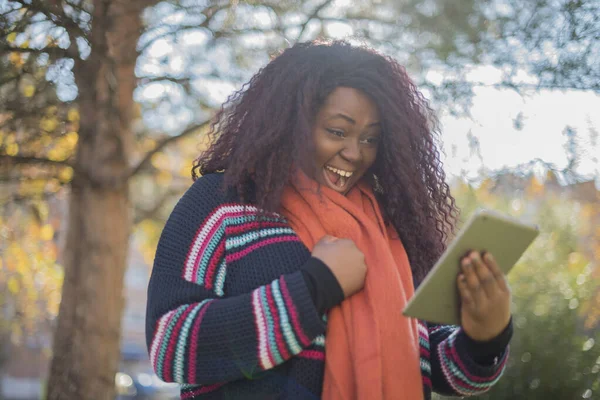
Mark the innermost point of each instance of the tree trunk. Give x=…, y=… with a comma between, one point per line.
x=86, y=341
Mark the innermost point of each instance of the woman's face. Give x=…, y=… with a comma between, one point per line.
x=346, y=135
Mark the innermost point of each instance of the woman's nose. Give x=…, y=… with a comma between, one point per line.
x=351, y=151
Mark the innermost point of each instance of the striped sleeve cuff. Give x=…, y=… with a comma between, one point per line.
x=169, y=346
x=463, y=374
x=285, y=318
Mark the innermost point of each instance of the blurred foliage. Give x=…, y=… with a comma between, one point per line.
x=38, y=133
x=30, y=277
x=555, y=351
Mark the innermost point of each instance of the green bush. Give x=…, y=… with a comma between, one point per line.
x=552, y=355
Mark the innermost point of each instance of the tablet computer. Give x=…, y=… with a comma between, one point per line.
x=436, y=299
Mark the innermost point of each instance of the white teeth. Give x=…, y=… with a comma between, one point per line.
x=340, y=172
x=342, y=181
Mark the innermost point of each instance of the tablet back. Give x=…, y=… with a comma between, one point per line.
x=436, y=300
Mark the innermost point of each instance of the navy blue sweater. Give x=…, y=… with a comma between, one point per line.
x=236, y=310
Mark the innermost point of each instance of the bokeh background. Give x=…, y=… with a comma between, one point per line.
x=105, y=103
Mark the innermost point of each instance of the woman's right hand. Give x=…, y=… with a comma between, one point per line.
x=345, y=260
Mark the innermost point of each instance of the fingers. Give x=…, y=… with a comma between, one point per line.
x=495, y=270
x=485, y=276
x=485, y=296
x=463, y=290
x=471, y=280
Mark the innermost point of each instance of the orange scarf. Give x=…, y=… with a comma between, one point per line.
x=372, y=351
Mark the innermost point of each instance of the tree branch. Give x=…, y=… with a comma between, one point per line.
x=314, y=14
x=145, y=80
x=171, y=139
x=56, y=52
x=528, y=86
x=19, y=198
x=209, y=13
x=56, y=15
x=6, y=159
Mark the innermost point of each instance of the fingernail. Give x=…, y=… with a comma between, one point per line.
x=466, y=262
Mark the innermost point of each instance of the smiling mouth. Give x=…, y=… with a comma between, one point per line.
x=337, y=179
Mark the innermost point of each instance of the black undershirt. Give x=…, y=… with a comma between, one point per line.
x=323, y=286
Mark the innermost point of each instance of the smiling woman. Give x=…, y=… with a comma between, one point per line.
x=320, y=206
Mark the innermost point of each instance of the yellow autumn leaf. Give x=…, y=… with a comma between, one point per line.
x=12, y=149
x=58, y=153
x=73, y=115
x=13, y=285
x=71, y=139
x=29, y=91
x=51, y=111
x=48, y=124
x=11, y=37
x=66, y=174
x=43, y=210
x=16, y=59
x=47, y=232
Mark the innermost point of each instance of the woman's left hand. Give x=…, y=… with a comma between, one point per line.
x=485, y=297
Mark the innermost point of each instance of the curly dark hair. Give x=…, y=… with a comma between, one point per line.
x=264, y=129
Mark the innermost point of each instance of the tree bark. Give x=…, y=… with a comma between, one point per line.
x=86, y=341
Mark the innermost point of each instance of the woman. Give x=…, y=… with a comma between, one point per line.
x=322, y=204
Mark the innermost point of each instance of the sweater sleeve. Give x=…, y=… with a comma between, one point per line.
x=460, y=366
x=198, y=335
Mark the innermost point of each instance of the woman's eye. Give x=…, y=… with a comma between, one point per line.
x=371, y=140
x=336, y=132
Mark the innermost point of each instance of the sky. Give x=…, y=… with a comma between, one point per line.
x=544, y=114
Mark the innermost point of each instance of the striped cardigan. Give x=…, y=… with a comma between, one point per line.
x=229, y=315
